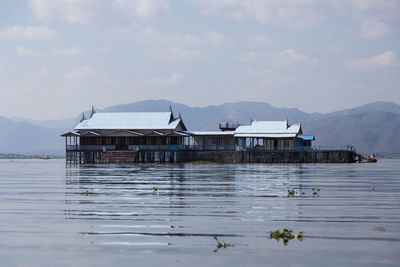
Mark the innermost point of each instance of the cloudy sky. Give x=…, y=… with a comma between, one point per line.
x=59, y=57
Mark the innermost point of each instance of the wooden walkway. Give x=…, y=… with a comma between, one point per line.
x=310, y=156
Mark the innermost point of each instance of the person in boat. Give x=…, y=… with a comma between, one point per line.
x=372, y=157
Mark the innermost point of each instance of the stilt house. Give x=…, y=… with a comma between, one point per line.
x=126, y=131
x=163, y=134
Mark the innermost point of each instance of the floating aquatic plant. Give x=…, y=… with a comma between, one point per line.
x=285, y=235
x=222, y=244
x=143, y=168
x=315, y=192
x=291, y=193
x=380, y=227
x=156, y=189
x=86, y=193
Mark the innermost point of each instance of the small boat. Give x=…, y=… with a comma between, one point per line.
x=46, y=157
x=370, y=159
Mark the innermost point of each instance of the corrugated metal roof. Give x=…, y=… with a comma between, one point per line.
x=212, y=133
x=266, y=135
x=181, y=133
x=129, y=120
x=71, y=134
x=268, y=127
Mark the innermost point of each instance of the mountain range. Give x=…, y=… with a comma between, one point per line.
x=369, y=128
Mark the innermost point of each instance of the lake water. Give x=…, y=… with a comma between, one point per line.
x=110, y=215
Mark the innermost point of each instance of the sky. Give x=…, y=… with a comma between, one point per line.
x=60, y=57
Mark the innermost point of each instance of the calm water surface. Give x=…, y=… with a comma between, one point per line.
x=107, y=215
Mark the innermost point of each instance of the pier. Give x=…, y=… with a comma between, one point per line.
x=315, y=155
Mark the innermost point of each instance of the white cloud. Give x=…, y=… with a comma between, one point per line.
x=104, y=50
x=298, y=13
x=175, y=46
x=26, y=52
x=173, y=79
x=71, y=11
x=267, y=78
x=143, y=8
x=383, y=9
x=260, y=72
x=150, y=36
x=67, y=51
x=43, y=71
x=29, y=32
x=176, y=54
x=89, y=11
x=82, y=72
x=214, y=38
x=377, y=4
x=288, y=57
x=373, y=29
x=383, y=60
x=258, y=41
x=336, y=49
x=360, y=87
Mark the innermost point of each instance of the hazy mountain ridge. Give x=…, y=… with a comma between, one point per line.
x=26, y=138
x=62, y=123
x=367, y=132
x=208, y=118
x=378, y=106
x=374, y=127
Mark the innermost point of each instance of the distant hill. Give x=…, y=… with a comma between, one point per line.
x=63, y=123
x=374, y=127
x=26, y=138
x=368, y=132
x=208, y=118
x=371, y=107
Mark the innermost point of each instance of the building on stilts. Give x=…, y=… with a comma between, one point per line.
x=133, y=137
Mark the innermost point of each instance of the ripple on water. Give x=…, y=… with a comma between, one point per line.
x=100, y=212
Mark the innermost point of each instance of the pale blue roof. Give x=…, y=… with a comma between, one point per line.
x=266, y=135
x=307, y=137
x=130, y=120
x=274, y=129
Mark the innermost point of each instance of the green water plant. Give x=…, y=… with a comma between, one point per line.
x=315, y=192
x=143, y=168
x=86, y=193
x=291, y=193
x=155, y=189
x=222, y=244
x=285, y=235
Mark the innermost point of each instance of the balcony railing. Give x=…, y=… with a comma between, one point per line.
x=211, y=147
x=90, y=148
x=182, y=147
x=152, y=147
x=203, y=148
x=326, y=148
x=156, y=147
